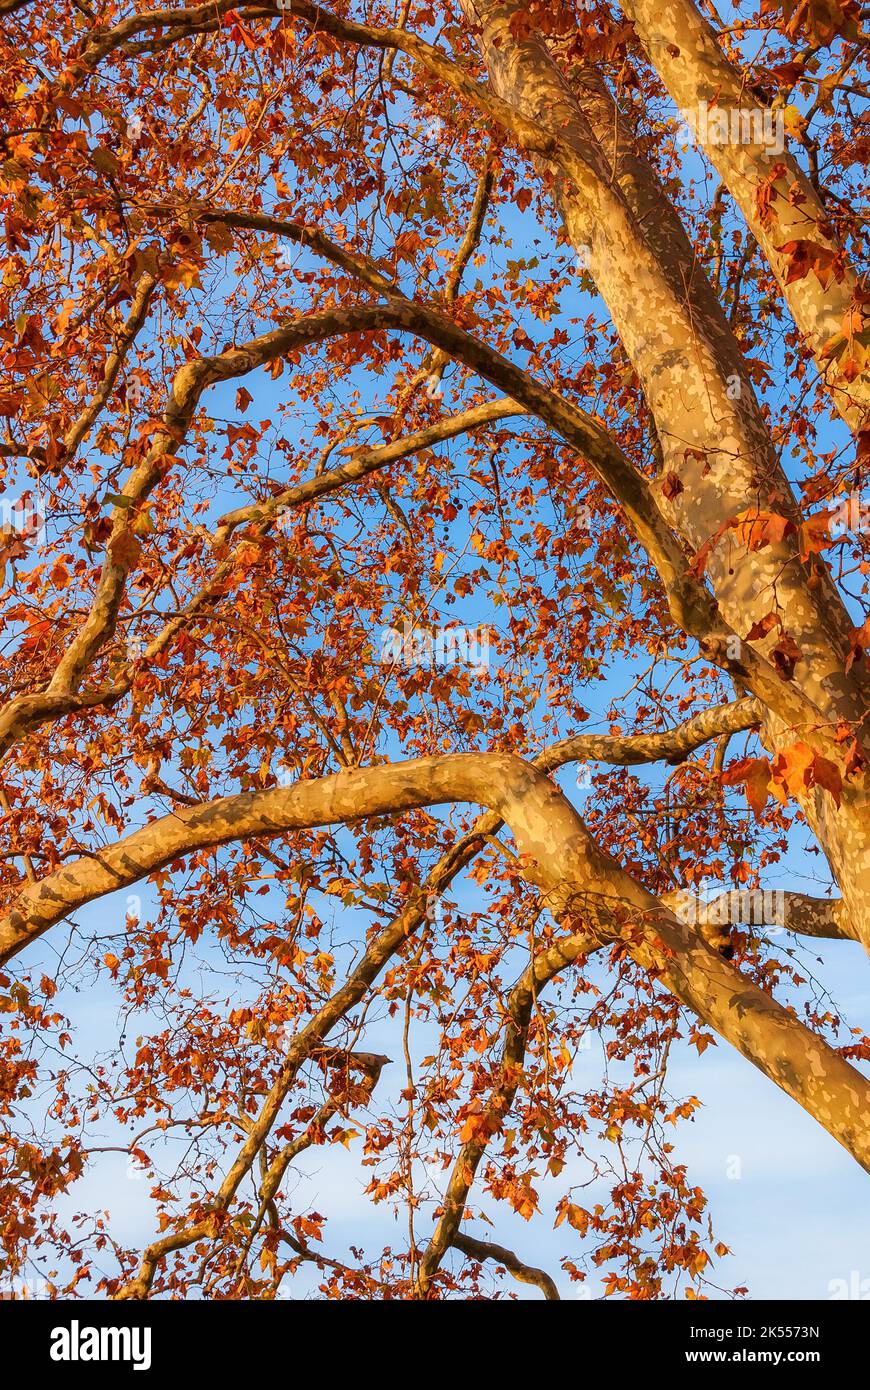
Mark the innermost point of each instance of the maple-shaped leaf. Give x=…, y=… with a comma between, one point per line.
x=814, y=535
x=800, y=767
x=764, y=625
x=124, y=549
x=860, y=644
x=819, y=22
x=576, y=1216
x=788, y=73
x=791, y=771
x=785, y=656
x=803, y=256
x=754, y=775
x=757, y=529
x=219, y=236
x=826, y=774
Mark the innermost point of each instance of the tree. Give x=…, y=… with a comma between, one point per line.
x=385, y=389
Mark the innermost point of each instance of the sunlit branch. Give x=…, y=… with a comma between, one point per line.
x=688, y=57
x=115, y=361
x=482, y=1250
x=368, y=461
x=784, y=910
x=50, y=899
x=578, y=881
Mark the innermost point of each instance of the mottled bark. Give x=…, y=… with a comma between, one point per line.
x=676, y=349
x=713, y=439
x=689, y=59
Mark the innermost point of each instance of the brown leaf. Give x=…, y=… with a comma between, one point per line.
x=672, y=485
x=763, y=627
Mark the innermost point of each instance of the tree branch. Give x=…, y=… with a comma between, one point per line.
x=578, y=881
x=687, y=56
x=481, y=1250
x=509, y=1072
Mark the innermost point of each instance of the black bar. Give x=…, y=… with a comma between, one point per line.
x=353, y=1339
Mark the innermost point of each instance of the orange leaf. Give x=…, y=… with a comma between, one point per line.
x=754, y=774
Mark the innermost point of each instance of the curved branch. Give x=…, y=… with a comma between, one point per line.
x=671, y=745
x=50, y=899
x=579, y=882
x=580, y=163
x=369, y=461
x=481, y=1250
x=691, y=605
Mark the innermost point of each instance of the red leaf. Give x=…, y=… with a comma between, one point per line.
x=763, y=627
x=804, y=256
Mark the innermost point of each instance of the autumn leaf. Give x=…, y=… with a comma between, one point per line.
x=754, y=774
x=218, y=236
x=125, y=548
x=763, y=626
x=799, y=767
x=803, y=256
x=785, y=655
x=826, y=774
x=757, y=529
x=818, y=22
x=814, y=535
x=225, y=749
x=672, y=485
x=859, y=644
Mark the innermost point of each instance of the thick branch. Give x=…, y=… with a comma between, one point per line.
x=683, y=47
x=826, y=918
x=558, y=855
x=672, y=745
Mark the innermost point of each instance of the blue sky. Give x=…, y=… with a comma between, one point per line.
x=787, y=1199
